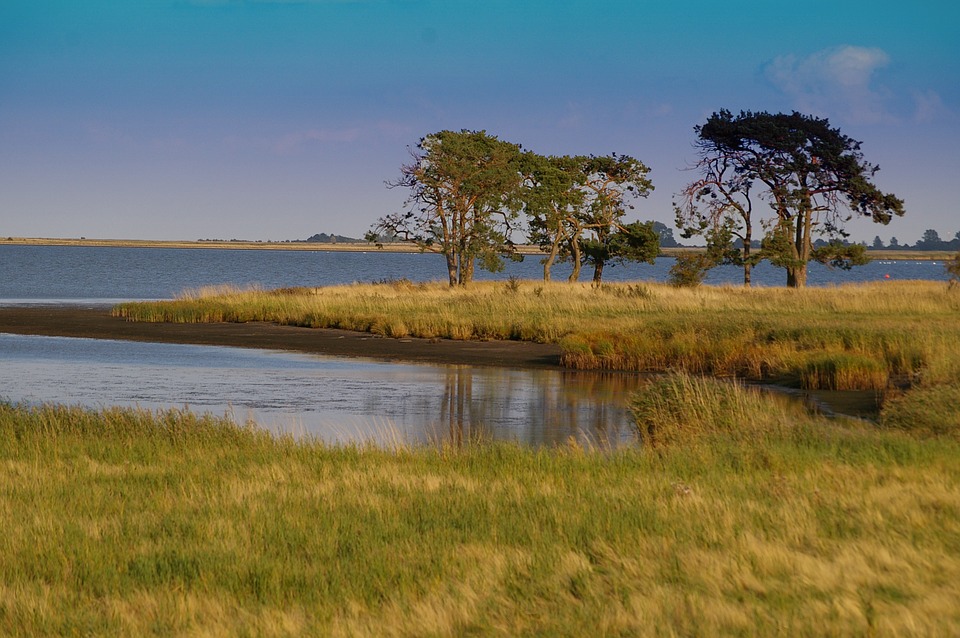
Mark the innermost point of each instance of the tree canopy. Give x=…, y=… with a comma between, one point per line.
x=813, y=177
x=463, y=202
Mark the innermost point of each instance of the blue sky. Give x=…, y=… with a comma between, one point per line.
x=276, y=119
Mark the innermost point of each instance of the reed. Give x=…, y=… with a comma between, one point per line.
x=127, y=522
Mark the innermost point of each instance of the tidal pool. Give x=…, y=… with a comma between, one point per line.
x=332, y=398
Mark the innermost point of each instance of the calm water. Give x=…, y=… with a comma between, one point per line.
x=55, y=273
x=335, y=399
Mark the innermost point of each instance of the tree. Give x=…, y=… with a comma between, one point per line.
x=878, y=243
x=690, y=269
x=930, y=241
x=463, y=202
x=553, y=199
x=952, y=268
x=631, y=242
x=611, y=184
x=718, y=204
x=667, y=240
x=575, y=206
x=813, y=177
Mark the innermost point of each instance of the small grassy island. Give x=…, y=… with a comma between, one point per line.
x=738, y=512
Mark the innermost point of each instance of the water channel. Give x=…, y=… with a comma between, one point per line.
x=335, y=399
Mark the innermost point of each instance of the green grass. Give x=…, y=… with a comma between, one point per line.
x=757, y=520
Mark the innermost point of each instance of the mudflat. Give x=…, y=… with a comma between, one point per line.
x=97, y=323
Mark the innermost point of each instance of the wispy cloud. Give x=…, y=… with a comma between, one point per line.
x=928, y=106
x=837, y=81
x=292, y=141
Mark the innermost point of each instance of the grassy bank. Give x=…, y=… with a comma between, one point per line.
x=122, y=522
x=851, y=337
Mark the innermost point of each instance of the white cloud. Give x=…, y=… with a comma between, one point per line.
x=837, y=81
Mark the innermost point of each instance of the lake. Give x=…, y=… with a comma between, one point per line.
x=83, y=274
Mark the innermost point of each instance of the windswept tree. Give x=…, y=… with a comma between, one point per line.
x=611, y=184
x=553, y=200
x=718, y=205
x=463, y=203
x=576, y=205
x=813, y=177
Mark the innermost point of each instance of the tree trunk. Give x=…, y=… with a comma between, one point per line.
x=598, y=272
x=747, y=266
x=466, y=271
x=575, y=256
x=797, y=276
x=549, y=259
x=451, y=268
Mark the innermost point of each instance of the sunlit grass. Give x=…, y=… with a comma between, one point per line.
x=762, y=521
x=861, y=336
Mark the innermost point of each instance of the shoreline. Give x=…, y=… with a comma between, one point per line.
x=97, y=323
x=398, y=247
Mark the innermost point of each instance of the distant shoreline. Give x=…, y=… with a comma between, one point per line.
x=397, y=247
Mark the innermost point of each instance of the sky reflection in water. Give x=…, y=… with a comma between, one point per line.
x=335, y=399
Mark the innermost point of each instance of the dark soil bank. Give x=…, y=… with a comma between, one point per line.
x=96, y=323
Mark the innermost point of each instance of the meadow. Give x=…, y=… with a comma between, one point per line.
x=740, y=514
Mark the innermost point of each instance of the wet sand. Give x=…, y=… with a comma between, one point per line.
x=96, y=323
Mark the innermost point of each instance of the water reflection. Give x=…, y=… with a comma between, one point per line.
x=335, y=399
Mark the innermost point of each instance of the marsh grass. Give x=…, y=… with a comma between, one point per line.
x=928, y=411
x=127, y=522
x=849, y=337
x=696, y=412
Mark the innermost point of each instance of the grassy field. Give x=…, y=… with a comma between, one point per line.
x=740, y=515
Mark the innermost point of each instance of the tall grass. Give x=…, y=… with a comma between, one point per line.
x=125, y=522
x=850, y=337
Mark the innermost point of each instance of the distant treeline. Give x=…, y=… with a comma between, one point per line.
x=930, y=241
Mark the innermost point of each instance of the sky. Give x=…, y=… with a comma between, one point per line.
x=278, y=119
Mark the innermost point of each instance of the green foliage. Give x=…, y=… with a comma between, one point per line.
x=463, y=203
x=631, y=242
x=840, y=255
x=690, y=269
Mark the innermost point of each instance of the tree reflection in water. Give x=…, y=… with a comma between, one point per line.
x=535, y=407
